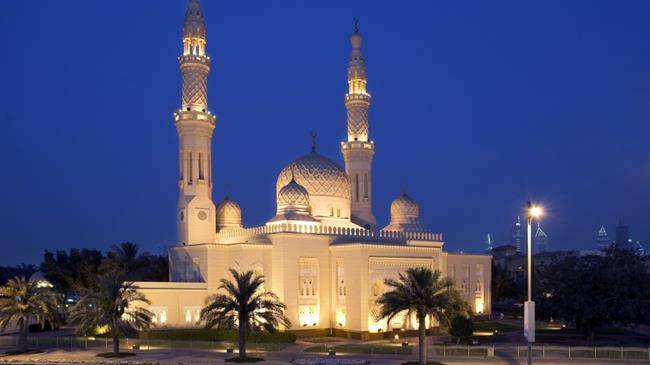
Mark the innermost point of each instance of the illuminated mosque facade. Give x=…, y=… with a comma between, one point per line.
x=322, y=252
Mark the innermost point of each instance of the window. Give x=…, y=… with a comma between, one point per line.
x=365, y=186
x=308, y=289
x=200, y=166
x=190, y=168
x=376, y=289
x=356, y=187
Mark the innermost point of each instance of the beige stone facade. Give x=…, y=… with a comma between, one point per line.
x=321, y=253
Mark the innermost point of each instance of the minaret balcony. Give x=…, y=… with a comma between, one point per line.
x=357, y=97
x=194, y=115
x=358, y=145
x=190, y=58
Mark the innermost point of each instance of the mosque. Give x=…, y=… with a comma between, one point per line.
x=323, y=252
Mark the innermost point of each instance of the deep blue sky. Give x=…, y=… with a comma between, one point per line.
x=477, y=107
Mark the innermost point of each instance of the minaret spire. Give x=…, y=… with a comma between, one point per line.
x=358, y=150
x=195, y=124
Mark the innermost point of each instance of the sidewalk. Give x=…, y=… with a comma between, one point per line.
x=199, y=357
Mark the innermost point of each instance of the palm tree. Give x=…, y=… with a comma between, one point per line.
x=244, y=305
x=115, y=305
x=125, y=259
x=23, y=300
x=422, y=292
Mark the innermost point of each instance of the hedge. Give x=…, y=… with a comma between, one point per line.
x=198, y=334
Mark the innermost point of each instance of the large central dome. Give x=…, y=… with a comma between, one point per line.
x=318, y=174
x=325, y=181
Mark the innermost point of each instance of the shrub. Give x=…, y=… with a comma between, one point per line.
x=461, y=327
x=36, y=327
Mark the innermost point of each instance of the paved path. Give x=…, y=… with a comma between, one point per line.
x=198, y=357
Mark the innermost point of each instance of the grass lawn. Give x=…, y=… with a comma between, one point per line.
x=22, y=352
x=363, y=349
x=111, y=355
x=247, y=359
x=491, y=326
x=199, y=334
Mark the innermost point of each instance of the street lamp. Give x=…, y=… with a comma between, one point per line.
x=533, y=212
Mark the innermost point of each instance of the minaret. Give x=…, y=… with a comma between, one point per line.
x=359, y=149
x=194, y=123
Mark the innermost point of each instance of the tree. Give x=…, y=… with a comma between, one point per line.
x=157, y=269
x=126, y=260
x=113, y=304
x=461, y=327
x=22, y=300
x=74, y=272
x=594, y=291
x=503, y=285
x=422, y=292
x=245, y=306
x=8, y=272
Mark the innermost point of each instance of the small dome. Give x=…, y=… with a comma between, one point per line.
x=318, y=174
x=404, y=209
x=228, y=214
x=293, y=197
x=404, y=215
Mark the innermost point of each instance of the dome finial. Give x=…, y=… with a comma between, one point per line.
x=227, y=189
x=356, y=25
x=313, y=141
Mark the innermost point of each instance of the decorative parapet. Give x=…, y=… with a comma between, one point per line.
x=341, y=233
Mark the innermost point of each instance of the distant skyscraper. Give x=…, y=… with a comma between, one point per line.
x=488, y=243
x=637, y=246
x=516, y=234
x=622, y=236
x=602, y=240
x=540, y=239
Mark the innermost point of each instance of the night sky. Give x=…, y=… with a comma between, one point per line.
x=476, y=107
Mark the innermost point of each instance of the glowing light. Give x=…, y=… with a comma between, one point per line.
x=340, y=317
x=535, y=211
x=308, y=315
x=479, y=306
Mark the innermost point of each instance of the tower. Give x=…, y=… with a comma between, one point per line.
x=622, y=236
x=541, y=240
x=602, y=240
x=489, y=243
x=516, y=234
x=359, y=149
x=194, y=123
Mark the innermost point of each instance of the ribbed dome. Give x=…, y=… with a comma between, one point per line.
x=293, y=197
x=404, y=209
x=318, y=174
x=404, y=215
x=228, y=214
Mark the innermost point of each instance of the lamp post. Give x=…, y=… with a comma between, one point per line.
x=533, y=211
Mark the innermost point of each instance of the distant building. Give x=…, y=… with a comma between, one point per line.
x=622, y=236
x=540, y=239
x=516, y=234
x=602, y=240
x=489, y=243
